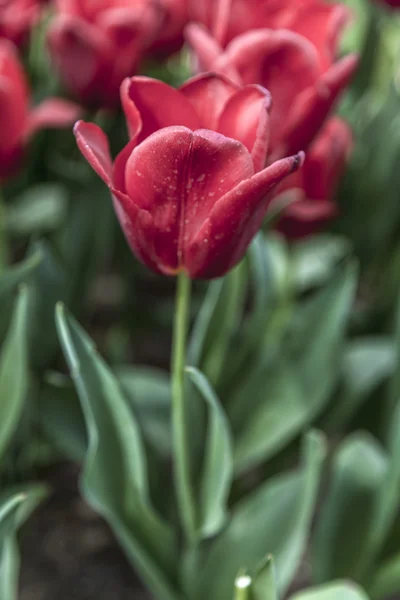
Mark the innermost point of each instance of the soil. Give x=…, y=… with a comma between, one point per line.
x=69, y=553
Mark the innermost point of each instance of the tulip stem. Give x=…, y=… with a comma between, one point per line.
x=184, y=490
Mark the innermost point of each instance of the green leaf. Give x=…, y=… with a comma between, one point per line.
x=366, y=363
x=49, y=286
x=216, y=323
x=273, y=519
x=315, y=258
x=265, y=585
x=13, y=372
x=386, y=581
x=41, y=208
x=342, y=534
x=149, y=392
x=10, y=280
x=60, y=416
x=114, y=478
x=339, y=590
x=218, y=463
x=286, y=390
x=16, y=506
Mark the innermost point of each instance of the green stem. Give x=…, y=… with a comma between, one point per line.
x=179, y=422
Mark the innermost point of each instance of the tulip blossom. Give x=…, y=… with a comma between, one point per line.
x=391, y=3
x=190, y=188
x=18, y=122
x=297, y=67
x=311, y=190
x=170, y=36
x=95, y=45
x=17, y=17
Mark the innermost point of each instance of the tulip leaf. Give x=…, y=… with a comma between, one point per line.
x=10, y=279
x=275, y=519
x=15, y=507
x=386, y=581
x=148, y=390
x=114, y=478
x=337, y=590
x=366, y=363
x=217, y=322
x=297, y=382
x=60, y=416
x=14, y=371
x=265, y=585
x=359, y=470
x=218, y=463
x=41, y=208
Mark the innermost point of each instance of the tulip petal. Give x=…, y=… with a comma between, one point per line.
x=205, y=47
x=178, y=175
x=208, y=93
x=313, y=106
x=246, y=118
x=93, y=144
x=157, y=105
x=234, y=220
x=54, y=113
x=305, y=217
x=14, y=94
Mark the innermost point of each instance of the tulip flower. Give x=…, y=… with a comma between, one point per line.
x=17, y=17
x=95, y=45
x=311, y=190
x=391, y=3
x=190, y=188
x=304, y=89
x=170, y=36
x=18, y=122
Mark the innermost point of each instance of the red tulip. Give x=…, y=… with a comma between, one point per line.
x=317, y=20
x=304, y=84
x=95, y=45
x=18, y=122
x=312, y=188
x=391, y=3
x=17, y=17
x=170, y=36
x=189, y=189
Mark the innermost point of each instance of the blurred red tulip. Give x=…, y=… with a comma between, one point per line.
x=18, y=122
x=95, y=45
x=312, y=188
x=391, y=3
x=170, y=36
x=17, y=17
x=304, y=84
x=319, y=21
x=189, y=188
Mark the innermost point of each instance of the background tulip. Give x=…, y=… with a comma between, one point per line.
x=18, y=122
x=95, y=45
x=304, y=87
x=312, y=188
x=17, y=17
x=189, y=199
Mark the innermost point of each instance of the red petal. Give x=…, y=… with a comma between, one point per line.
x=93, y=144
x=234, y=220
x=313, y=106
x=53, y=112
x=245, y=118
x=14, y=95
x=205, y=47
x=305, y=217
x=177, y=176
x=208, y=93
x=158, y=104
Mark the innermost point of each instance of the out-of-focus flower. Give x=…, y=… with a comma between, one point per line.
x=311, y=190
x=95, y=45
x=18, y=122
x=319, y=21
x=304, y=84
x=188, y=198
x=170, y=36
x=17, y=17
x=391, y=3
